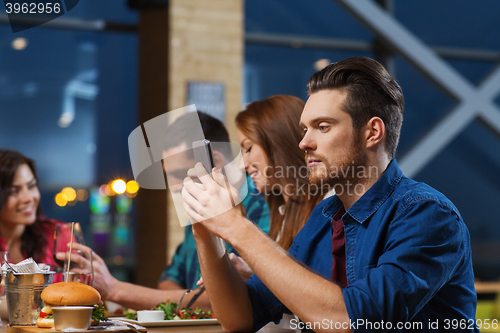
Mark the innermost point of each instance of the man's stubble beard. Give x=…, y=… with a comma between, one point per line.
x=350, y=160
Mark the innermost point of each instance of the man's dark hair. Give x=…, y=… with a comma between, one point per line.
x=371, y=92
x=185, y=129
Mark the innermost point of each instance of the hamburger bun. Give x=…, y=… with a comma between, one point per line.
x=45, y=322
x=70, y=293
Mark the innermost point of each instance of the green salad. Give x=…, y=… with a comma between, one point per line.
x=169, y=309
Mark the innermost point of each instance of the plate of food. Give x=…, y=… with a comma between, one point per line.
x=184, y=317
x=171, y=322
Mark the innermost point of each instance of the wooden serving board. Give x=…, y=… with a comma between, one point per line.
x=101, y=328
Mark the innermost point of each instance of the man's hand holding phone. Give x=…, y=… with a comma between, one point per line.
x=202, y=150
x=209, y=198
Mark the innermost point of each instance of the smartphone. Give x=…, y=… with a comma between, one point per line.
x=202, y=150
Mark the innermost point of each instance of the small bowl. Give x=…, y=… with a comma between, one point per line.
x=145, y=316
x=72, y=318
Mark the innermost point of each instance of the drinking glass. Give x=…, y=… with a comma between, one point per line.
x=81, y=268
x=62, y=237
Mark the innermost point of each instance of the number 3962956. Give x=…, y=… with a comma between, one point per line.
x=33, y=8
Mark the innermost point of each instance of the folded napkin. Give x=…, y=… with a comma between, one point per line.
x=26, y=266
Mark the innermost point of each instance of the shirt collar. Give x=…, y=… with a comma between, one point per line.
x=372, y=199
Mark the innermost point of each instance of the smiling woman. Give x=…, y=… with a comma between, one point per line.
x=24, y=232
x=269, y=136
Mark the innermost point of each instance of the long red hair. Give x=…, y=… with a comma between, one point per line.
x=273, y=124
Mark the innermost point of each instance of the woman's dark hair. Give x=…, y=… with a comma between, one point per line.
x=273, y=124
x=32, y=240
x=371, y=92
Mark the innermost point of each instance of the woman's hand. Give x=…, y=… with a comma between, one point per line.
x=104, y=282
x=242, y=267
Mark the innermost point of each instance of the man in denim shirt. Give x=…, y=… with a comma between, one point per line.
x=407, y=250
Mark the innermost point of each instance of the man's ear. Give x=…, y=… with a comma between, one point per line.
x=375, y=132
x=219, y=160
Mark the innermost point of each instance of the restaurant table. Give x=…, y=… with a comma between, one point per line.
x=209, y=328
x=184, y=329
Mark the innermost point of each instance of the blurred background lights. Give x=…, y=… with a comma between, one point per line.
x=118, y=260
x=321, y=63
x=69, y=196
x=69, y=193
x=66, y=119
x=131, y=195
x=108, y=189
x=19, y=43
x=102, y=190
x=132, y=186
x=99, y=201
x=82, y=195
x=119, y=186
x=60, y=200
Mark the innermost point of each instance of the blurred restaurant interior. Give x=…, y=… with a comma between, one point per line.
x=73, y=89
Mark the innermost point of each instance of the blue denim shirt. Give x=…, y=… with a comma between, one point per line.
x=408, y=260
